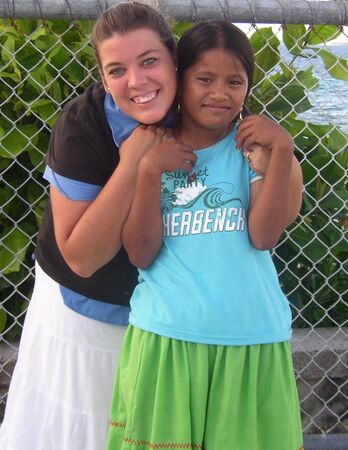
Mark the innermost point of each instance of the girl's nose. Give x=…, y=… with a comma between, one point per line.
x=219, y=91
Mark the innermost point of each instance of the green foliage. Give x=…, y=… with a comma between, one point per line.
x=45, y=64
x=311, y=262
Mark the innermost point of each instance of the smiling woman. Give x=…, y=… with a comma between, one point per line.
x=139, y=74
x=61, y=387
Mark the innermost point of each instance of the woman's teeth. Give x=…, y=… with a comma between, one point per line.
x=144, y=99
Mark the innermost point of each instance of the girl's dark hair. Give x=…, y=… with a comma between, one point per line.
x=125, y=17
x=209, y=35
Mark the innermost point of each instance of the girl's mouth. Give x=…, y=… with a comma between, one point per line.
x=217, y=107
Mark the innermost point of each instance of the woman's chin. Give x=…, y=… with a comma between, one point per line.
x=150, y=118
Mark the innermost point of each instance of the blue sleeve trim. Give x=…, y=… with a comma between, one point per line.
x=255, y=178
x=94, y=309
x=72, y=189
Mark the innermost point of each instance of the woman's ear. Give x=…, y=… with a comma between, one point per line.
x=106, y=87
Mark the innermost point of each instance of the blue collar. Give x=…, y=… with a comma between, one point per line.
x=122, y=125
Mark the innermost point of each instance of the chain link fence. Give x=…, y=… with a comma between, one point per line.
x=300, y=80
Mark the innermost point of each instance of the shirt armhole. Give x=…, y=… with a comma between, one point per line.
x=72, y=189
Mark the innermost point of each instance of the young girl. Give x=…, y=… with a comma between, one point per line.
x=61, y=388
x=206, y=362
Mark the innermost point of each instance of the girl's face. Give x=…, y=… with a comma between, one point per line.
x=213, y=91
x=138, y=71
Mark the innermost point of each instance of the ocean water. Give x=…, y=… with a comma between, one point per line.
x=330, y=98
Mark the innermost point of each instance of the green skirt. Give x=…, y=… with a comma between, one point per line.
x=172, y=394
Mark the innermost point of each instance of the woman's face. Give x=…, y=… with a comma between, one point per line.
x=139, y=73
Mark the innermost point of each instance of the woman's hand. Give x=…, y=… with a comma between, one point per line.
x=88, y=233
x=142, y=233
x=257, y=129
x=171, y=154
x=142, y=139
x=258, y=158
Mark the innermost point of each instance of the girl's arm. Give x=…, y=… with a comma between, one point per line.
x=88, y=233
x=258, y=161
x=276, y=200
x=142, y=233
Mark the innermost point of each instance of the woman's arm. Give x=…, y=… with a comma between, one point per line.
x=276, y=200
x=88, y=233
x=142, y=234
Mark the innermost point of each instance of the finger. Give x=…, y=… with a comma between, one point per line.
x=242, y=137
x=168, y=137
x=152, y=128
x=189, y=156
x=249, y=142
x=161, y=131
x=187, y=166
x=245, y=123
x=247, y=155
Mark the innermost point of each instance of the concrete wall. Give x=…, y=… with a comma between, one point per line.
x=321, y=363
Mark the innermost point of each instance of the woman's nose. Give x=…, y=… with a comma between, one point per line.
x=136, y=77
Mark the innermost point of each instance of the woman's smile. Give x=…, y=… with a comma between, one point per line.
x=145, y=98
x=139, y=74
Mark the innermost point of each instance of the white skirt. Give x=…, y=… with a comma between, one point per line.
x=61, y=387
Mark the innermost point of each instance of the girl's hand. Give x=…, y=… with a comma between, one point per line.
x=258, y=158
x=259, y=129
x=142, y=139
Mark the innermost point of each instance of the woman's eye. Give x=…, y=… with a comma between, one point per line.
x=117, y=72
x=149, y=61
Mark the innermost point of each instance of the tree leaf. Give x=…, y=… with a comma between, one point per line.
x=13, y=248
x=14, y=76
x=337, y=67
x=46, y=109
x=179, y=28
x=322, y=33
x=17, y=140
x=294, y=38
x=41, y=31
x=3, y=319
x=8, y=49
x=266, y=49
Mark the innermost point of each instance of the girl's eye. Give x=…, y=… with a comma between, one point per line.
x=204, y=79
x=235, y=83
x=149, y=61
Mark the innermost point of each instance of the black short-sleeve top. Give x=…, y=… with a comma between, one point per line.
x=82, y=148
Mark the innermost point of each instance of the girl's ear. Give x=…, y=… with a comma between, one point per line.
x=177, y=103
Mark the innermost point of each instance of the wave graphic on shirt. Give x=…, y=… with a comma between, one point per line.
x=212, y=197
x=186, y=195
